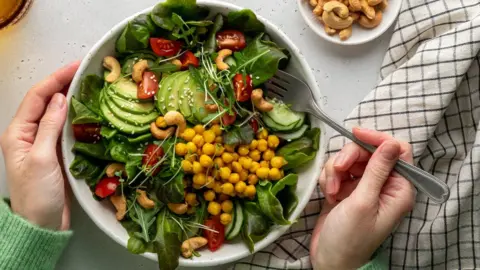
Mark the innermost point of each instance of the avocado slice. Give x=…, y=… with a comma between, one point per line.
x=198, y=104
x=171, y=101
x=185, y=100
x=135, y=119
x=130, y=106
x=121, y=125
x=126, y=89
x=163, y=91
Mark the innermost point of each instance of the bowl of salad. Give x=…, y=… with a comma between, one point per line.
x=172, y=145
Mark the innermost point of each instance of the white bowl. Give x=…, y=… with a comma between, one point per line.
x=360, y=35
x=102, y=213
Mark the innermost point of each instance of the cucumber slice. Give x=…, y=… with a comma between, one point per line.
x=293, y=135
x=237, y=227
x=275, y=126
x=284, y=116
x=230, y=226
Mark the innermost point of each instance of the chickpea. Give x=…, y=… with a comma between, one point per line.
x=254, y=167
x=192, y=148
x=263, y=134
x=191, y=157
x=240, y=187
x=274, y=174
x=181, y=149
x=243, y=150
x=216, y=129
x=191, y=199
x=253, y=145
x=250, y=191
x=262, y=145
x=187, y=166
x=206, y=161
x=195, y=186
x=209, y=136
x=219, y=139
x=252, y=179
x=246, y=163
x=227, y=157
x=255, y=155
x=209, y=195
x=273, y=141
x=199, y=129
x=234, y=178
x=235, y=156
x=218, y=187
x=227, y=188
x=278, y=162
x=230, y=148
x=236, y=167
x=268, y=155
x=199, y=179
x=225, y=173
x=208, y=149
x=218, y=161
x=214, y=208
x=225, y=218
x=210, y=182
x=198, y=140
x=219, y=150
x=197, y=167
x=227, y=206
x=243, y=175
x=262, y=173
x=188, y=134
x=264, y=164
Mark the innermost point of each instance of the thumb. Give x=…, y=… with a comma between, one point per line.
x=51, y=124
x=378, y=169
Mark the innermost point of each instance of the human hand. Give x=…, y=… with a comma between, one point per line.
x=364, y=203
x=29, y=145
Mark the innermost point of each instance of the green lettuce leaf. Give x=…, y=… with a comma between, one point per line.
x=299, y=152
x=189, y=11
x=136, y=35
x=90, y=90
x=83, y=115
x=256, y=226
x=246, y=21
x=167, y=241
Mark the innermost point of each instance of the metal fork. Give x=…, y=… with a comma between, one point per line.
x=292, y=90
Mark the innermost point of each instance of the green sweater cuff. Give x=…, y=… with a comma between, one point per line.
x=26, y=246
x=379, y=262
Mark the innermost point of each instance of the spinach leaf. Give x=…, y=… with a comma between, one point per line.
x=167, y=241
x=136, y=35
x=83, y=115
x=211, y=43
x=299, y=152
x=95, y=150
x=197, y=218
x=83, y=168
x=246, y=21
x=269, y=204
x=132, y=166
x=90, y=89
x=143, y=217
x=136, y=245
x=239, y=135
x=255, y=226
x=261, y=59
x=169, y=186
x=108, y=132
x=122, y=150
x=284, y=190
x=130, y=226
x=189, y=11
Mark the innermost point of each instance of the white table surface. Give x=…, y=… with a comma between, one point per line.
x=56, y=32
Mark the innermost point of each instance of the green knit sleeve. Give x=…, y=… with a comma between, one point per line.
x=379, y=262
x=26, y=246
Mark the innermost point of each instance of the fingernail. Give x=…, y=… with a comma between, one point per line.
x=339, y=159
x=57, y=102
x=390, y=150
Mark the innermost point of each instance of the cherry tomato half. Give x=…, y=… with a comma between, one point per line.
x=165, y=47
x=148, y=87
x=107, y=187
x=254, y=124
x=152, y=154
x=87, y=133
x=231, y=39
x=228, y=119
x=187, y=59
x=215, y=239
x=242, y=91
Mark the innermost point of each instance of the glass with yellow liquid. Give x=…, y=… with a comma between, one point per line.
x=11, y=11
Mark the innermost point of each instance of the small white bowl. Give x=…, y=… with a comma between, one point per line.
x=360, y=35
x=103, y=214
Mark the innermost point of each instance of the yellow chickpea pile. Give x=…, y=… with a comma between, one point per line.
x=224, y=171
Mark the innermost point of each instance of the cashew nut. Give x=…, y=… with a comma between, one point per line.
x=318, y=10
x=160, y=133
x=355, y=16
x=113, y=65
x=345, y=33
x=120, y=203
x=112, y=168
x=334, y=21
x=355, y=5
x=138, y=69
x=143, y=199
x=160, y=122
x=222, y=54
x=329, y=31
x=176, y=118
x=260, y=103
x=313, y=3
x=178, y=208
x=211, y=108
x=194, y=243
x=374, y=2
x=338, y=8
x=383, y=5
x=368, y=23
x=367, y=9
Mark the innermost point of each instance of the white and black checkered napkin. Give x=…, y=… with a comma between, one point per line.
x=429, y=96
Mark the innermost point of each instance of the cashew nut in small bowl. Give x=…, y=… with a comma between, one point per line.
x=383, y=5
x=369, y=24
x=178, y=208
x=120, y=203
x=112, y=168
x=355, y=5
x=192, y=244
x=330, y=31
x=345, y=33
x=313, y=3
x=374, y=2
x=318, y=10
x=259, y=102
x=143, y=199
x=174, y=118
x=138, y=69
x=368, y=10
x=222, y=54
x=110, y=63
x=340, y=9
x=355, y=16
x=334, y=21
x=161, y=134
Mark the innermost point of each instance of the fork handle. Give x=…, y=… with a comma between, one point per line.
x=433, y=187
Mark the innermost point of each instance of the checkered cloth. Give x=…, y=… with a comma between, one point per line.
x=428, y=96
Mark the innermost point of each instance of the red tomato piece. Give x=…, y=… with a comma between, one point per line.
x=215, y=239
x=228, y=119
x=148, y=87
x=243, y=87
x=152, y=154
x=231, y=39
x=187, y=59
x=165, y=47
x=254, y=124
x=107, y=187
x=87, y=133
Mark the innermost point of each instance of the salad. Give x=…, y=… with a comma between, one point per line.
x=180, y=138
